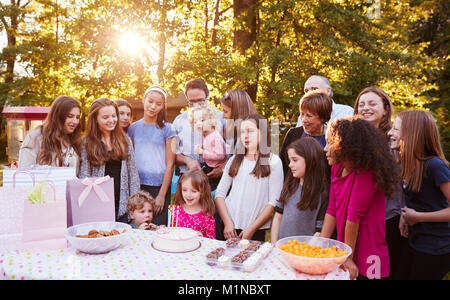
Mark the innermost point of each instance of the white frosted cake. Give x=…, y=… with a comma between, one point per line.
x=176, y=239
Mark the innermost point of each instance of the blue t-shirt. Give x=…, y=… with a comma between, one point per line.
x=150, y=150
x=430, y=237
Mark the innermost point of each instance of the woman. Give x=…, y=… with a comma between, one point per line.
x=315, y=111
x=154, y=142
x=374, y=105
x=125, y=116
x=57, y=141
x=106, y=150
x=426, y=176
x=236, y=105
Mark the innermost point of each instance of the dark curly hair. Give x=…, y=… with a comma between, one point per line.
x=361, y=145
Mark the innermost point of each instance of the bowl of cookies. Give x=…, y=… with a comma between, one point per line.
x=97, y=237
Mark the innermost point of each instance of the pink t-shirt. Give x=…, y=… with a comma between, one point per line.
x=199, y=222
x=355, y=198
x=215, y=150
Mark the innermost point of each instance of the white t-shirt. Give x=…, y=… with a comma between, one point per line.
x=249, y=195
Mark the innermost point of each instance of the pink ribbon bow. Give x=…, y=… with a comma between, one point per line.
x=90, y=184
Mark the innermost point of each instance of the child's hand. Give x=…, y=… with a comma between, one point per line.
x=198, y=149
x=159, y=204
x=403, y=227
x=144, y=226
x=246, y=234
x=229, y=231
x=410, y=216
x=351, y=267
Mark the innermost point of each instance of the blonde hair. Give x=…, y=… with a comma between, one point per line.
x=206, y=111
x=137, y=201
x=418, y=143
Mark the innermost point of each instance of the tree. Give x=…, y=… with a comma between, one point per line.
x=31, y=60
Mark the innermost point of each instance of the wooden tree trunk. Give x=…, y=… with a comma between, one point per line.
x=246, y=14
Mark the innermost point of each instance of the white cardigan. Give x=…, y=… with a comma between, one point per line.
x=249, y=195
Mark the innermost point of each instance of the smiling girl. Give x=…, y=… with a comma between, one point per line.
x=304, y=193
x=255, y=176
x=57, y=141
x=154, y=141
x=106, y=150
x=195, y=207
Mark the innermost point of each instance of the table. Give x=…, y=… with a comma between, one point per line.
x=138, y=260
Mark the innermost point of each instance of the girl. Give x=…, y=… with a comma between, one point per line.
x=124, y=113
x=57, y=141
x=194, y=205
x=213, y=149
x=363, y=172
x=426, y=178
x=255, y=176
x=153, y=140
x=304, y=192
x=106, y=150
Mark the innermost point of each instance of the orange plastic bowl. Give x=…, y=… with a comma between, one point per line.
x=311, y=265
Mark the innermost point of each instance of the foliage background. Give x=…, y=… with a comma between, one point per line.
x=268, y=48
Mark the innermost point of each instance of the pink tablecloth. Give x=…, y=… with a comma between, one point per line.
x=138, y=260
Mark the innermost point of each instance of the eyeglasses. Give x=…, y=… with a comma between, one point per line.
x=196, y=101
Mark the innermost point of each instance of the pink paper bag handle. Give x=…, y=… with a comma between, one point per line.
x=24, y=172
x=52, y=185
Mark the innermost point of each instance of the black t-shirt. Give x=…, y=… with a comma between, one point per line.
x=113, y=168
x=430, y=237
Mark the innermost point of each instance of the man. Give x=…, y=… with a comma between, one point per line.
x=196, y=93
x=317, y=82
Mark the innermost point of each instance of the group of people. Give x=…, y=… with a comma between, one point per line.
x=351, y=174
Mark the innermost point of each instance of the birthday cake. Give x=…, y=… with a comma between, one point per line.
x=176, y=239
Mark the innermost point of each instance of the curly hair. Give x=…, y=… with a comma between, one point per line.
x=137, y=200
x=361, y=145
x=206, y=112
